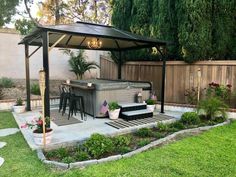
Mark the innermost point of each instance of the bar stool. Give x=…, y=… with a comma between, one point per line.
x=75, y=103
x=66, y=98
x=62, y=94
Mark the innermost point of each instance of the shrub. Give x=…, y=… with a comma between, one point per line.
x=222, y=92
x=162, y=127
x=159, y=135
x=98, y=145
x=19, y=102
x=68, y=159
x=34, y=89
x=1, y=93
x=6, y=82
x=191, y=95
x=150, y=102
x=82, y=155
x=190, y=118
x=121, y=141
x=124, y=149
x=177, y=125
x=143, y=142
x=212, y=108
x=113, y=105
x=61, y=153
x=144, y=132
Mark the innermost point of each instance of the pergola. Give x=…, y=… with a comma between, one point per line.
x=76, y=36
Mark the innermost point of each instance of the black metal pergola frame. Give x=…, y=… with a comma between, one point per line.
x=74, y=36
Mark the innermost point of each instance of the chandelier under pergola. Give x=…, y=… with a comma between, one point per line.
x=94, y=43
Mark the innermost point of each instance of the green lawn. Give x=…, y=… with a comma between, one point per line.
x=210, y=154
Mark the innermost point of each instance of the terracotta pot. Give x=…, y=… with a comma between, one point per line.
x=114, y=114
x=38, y=137
x=151, y=107
x=19, y=109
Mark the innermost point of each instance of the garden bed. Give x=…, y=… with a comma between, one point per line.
x=113, y=148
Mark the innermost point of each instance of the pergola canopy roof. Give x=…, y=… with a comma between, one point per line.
x=77, y=35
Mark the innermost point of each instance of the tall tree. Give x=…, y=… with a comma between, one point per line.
x=7, y=9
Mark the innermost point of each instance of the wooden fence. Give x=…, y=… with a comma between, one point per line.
x=180, y=76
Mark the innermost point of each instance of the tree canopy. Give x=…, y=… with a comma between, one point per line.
x=7, y=9
x=199, y=30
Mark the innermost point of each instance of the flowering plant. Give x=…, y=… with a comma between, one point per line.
x=38, y=123
x=222, y=92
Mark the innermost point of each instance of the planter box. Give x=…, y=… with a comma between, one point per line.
x=38, y=137
x=19, y=109
x=114, y=114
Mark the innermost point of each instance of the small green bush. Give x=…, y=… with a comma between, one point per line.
x=190, y=118
x=176, y=125
x=212, y=108
x=113, y=105
x=144, y=132
x=150, y=102
x=162, y=127
x=34, y=89
x=61, y=153
x=121, y=141
x=19, y=102
x=159, y=135
x=6, y=82
x=143, y=142
x=124, y=149
x=68, y=159
x=98, y=145
x=82, y=155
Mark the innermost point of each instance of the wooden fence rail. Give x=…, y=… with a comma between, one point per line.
x=180, y=76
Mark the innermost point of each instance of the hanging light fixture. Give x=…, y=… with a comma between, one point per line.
x=94, y=43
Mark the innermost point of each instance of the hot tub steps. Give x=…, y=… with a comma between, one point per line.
x=132, y=106
x=132, y=111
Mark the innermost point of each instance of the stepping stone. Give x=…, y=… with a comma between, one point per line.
x=8, y=131
x=2, y=144
x=1, y=161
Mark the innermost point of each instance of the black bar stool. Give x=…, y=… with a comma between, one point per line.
x=76, y=103
x=66, y=98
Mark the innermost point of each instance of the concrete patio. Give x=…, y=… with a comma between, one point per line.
x=71, y=134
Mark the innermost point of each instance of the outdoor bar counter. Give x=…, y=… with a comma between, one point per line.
x=96, y=91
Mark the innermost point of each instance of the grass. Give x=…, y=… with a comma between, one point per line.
x=212, y=153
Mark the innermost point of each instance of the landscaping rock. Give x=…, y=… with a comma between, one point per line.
x=2, y=144
x=8, y=131
x=83, y=164
x=1, y=161
x=111, y=158
x=57, y=164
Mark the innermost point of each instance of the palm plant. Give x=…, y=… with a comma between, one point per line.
x=78, y=63
x=212, y=107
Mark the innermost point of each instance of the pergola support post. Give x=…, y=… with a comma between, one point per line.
x=27, y=76
x=163, y=82
x=119, y=65
x=46, y=69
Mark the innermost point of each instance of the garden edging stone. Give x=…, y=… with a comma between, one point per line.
x=126, y=155
x=83, y=163
x=57, y=164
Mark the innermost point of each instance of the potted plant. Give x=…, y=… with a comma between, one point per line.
x=38, y=131
x=113, y=110
x=19, y=107
x=150, y=105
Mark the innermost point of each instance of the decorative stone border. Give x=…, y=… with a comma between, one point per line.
x=129, y=154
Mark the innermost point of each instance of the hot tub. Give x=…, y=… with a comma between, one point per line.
x=96, y=91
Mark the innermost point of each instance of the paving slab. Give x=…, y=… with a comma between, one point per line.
x=2, y=144
x=8, y=131
x=1, y=161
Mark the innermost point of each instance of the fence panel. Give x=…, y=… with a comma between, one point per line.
x=180, y=76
